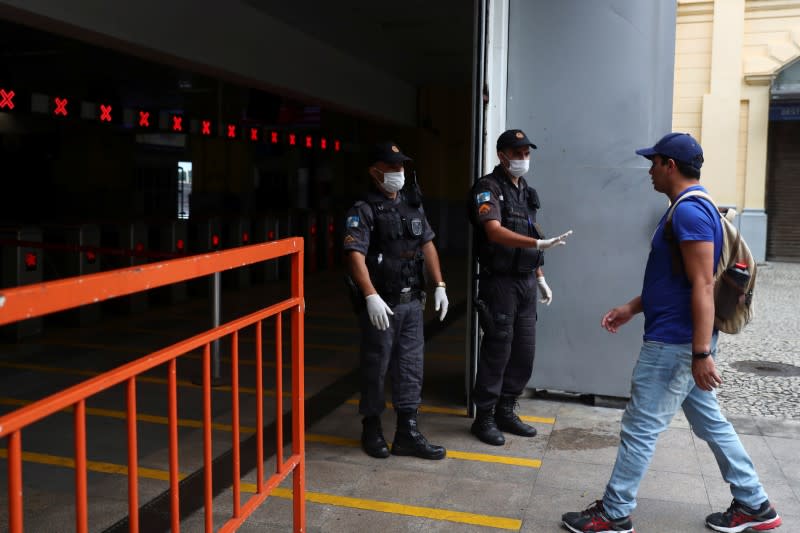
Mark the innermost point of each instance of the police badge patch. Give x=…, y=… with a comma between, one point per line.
x=416, y=226
x=352, y=222
x=484, y=197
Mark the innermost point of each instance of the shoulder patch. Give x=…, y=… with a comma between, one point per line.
x=483, y=197
x=484, y=208
x=353, y=222
x=349, y=239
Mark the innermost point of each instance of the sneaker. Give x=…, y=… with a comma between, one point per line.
x=739, y=517
x=594, y=520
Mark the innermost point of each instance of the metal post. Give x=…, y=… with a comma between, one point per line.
x=181, y=183
x=215, y=318
x=476, y=169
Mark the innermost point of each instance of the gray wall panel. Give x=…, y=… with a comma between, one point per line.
x=591, y=81
x=230, y=38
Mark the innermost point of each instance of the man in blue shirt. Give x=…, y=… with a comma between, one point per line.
x=676, y=362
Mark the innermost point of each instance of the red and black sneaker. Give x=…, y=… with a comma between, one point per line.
x=739, y=517
x=594, y=520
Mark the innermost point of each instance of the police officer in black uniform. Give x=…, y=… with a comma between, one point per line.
x=510, y=251
x=388, y=243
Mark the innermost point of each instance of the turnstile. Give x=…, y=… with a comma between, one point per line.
x=20, y=264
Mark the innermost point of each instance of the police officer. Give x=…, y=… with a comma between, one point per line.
x=510, y=250
x=387, y=243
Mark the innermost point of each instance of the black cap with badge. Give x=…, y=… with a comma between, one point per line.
x=513, y=139
x=388, y=152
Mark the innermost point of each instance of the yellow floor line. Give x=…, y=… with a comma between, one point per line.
x=269, y=342
x=463, y=412
x=143, y=379
x=355, y=348
x=286, y=366
x=123, y=349
x=92, y=466
x=497, y=522
x=310, y=437
x=451, y=454
x=499, y=459
x=90, y=346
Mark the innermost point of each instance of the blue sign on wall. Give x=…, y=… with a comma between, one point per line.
x=783, y=111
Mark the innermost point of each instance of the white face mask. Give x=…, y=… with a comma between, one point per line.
x=518, y=167
x=393, y=181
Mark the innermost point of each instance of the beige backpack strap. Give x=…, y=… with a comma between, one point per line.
x=689, y=194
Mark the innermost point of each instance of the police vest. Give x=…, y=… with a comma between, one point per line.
x=394, y=258
x=518, y=214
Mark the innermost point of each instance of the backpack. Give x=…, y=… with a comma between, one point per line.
x=733, y=291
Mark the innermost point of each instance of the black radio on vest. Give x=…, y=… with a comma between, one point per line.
x=395, y=260
x=519, y=216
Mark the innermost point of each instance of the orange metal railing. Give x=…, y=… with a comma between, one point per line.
x=36, y=300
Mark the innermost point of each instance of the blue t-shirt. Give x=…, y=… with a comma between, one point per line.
x=666, y=297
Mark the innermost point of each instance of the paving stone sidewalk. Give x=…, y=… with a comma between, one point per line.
x=761, y=366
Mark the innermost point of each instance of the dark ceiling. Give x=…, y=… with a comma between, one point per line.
x=420, y=41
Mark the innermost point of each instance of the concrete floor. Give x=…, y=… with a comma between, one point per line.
x=524, y=485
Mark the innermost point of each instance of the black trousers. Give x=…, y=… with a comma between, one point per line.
x=509, y=339
x=397, y=351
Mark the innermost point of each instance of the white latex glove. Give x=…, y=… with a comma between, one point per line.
x=378, y=312
x=561, y=240
x=544, y=290
x=441, y=301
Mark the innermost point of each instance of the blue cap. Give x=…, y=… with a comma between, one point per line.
x=678, y=146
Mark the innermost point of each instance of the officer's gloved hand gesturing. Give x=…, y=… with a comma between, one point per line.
x=378, y=312
x=544, y=290
x=441, y=301
x=561, y=240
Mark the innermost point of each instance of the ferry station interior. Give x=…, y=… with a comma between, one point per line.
x=123, y=151
x=152, y=132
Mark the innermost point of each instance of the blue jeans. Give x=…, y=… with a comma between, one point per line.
x=662, y=382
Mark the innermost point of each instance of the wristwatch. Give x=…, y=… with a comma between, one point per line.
x=442, y=284
x=700, y=355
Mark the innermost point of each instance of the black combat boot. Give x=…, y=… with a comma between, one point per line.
x=485, y=428
x=409, y=441
x=507, y=419
x=372, y=438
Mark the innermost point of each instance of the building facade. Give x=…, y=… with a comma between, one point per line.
x=735, y=62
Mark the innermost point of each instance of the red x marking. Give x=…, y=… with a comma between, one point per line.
x=144, y=119
x=177, y=123
x=6, y=99
x=105, y=113
x=231, y=131
x=206, y=127
x=253, y=134
x=61, y=106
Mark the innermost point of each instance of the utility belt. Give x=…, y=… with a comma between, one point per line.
x=405, y=297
